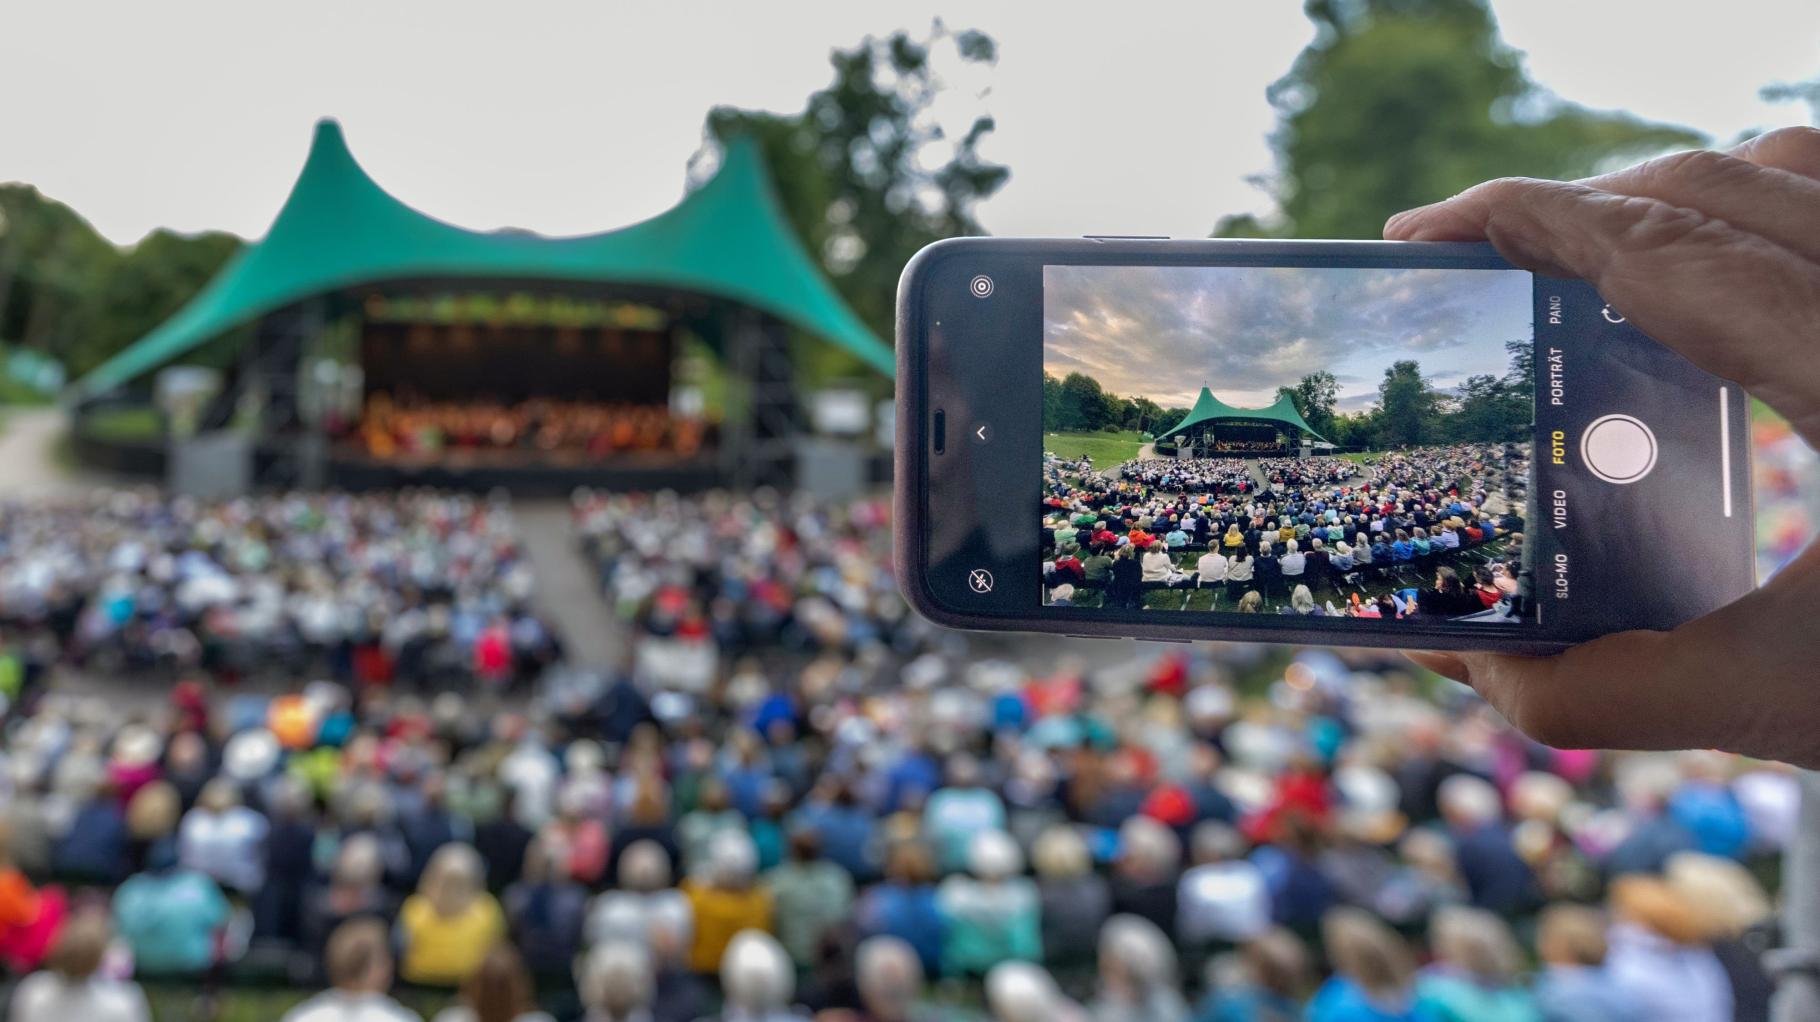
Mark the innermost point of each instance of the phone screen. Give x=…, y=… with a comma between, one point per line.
x=1292, y=440
x=1317, y=441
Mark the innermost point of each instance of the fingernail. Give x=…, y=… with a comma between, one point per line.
x=1404, y=217
x=1447, y=665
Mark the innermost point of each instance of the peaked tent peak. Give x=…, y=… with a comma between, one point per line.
x=1208, y=407
x=728, y=238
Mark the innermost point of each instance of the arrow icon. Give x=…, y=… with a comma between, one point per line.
x=981, y=433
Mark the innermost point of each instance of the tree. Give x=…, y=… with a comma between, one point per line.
x=1522, y=374
x=1082, y=404
x=1052, y=403
x=69, y=293
x=1357, y=429
x=1489, y=409
x=1144, y=415
x=1407, y=406
x=1315, y=397
x=1397, y=103
x=866, y=173
x=150, y=281
x=1805, y=92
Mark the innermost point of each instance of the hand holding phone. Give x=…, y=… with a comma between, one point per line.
x=1717, y=256
x=1635, y=517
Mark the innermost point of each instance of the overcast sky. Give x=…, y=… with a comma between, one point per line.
x=567, y=117
x=1165, y=332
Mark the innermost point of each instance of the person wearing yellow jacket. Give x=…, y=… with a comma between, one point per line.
x=725, y=899
x=450, y=924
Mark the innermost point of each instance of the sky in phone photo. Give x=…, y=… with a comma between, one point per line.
x=1165, y=332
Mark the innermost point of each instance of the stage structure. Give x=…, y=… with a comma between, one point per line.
x=368, y=344
x=1215, y=429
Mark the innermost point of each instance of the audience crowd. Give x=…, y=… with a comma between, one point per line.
x=420, y=587
x=1426, y=531
x=855, y=817
x=710, y=580
x=1191, y=475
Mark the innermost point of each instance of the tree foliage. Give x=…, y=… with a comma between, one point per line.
x=1315, y=397
x=1410, y=410
x=1398, y=103
x=1792, y=92
x=866, y=172
x=1407, y=405
x=69, y=293
x=1077, y=403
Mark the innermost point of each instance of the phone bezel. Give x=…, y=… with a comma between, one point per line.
x=913, y=487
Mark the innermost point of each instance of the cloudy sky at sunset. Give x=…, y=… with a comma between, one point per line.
x=1163, y=332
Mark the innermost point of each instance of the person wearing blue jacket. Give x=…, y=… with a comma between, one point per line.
x=171, y=918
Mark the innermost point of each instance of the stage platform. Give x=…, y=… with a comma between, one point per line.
x=135, y=460
x=835, y=469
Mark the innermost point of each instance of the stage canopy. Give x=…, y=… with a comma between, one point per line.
x=728, y=239
x=1209, y=409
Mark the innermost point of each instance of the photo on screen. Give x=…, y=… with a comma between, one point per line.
x=1327, y=442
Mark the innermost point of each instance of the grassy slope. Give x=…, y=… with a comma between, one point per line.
x=1106, y=449
x=129, y=423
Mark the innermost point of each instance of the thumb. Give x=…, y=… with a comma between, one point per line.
x=1737, y=679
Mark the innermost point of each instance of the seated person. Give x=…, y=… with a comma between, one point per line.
x=1210, y=568
x=1158, y=567
x=1448, y=598
x=1293, y=562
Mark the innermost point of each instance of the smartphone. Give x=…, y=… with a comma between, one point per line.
x=1347, y=443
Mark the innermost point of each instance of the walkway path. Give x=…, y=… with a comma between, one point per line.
x=569, y=591
x=28, y=465
x=1257, y=474
x=1118, y=471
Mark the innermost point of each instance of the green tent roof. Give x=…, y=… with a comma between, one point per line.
x=728, y=239
x=1208, y=408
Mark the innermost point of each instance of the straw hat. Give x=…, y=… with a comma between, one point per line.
x=1722, y=895
x=1652, y=904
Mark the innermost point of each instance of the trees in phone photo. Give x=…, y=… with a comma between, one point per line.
x=1315, y=397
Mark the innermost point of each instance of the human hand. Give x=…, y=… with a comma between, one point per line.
x=1716, y=256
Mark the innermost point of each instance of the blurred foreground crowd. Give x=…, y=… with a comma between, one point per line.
x=424, y=588
x=806, y=803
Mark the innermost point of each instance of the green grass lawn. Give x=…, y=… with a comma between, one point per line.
x=127, y=423
x=12, y=392
x=1106, y=449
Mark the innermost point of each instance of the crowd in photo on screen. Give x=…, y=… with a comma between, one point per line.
x=1427, y=531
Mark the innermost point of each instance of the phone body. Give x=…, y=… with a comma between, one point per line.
x=1575, y=477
